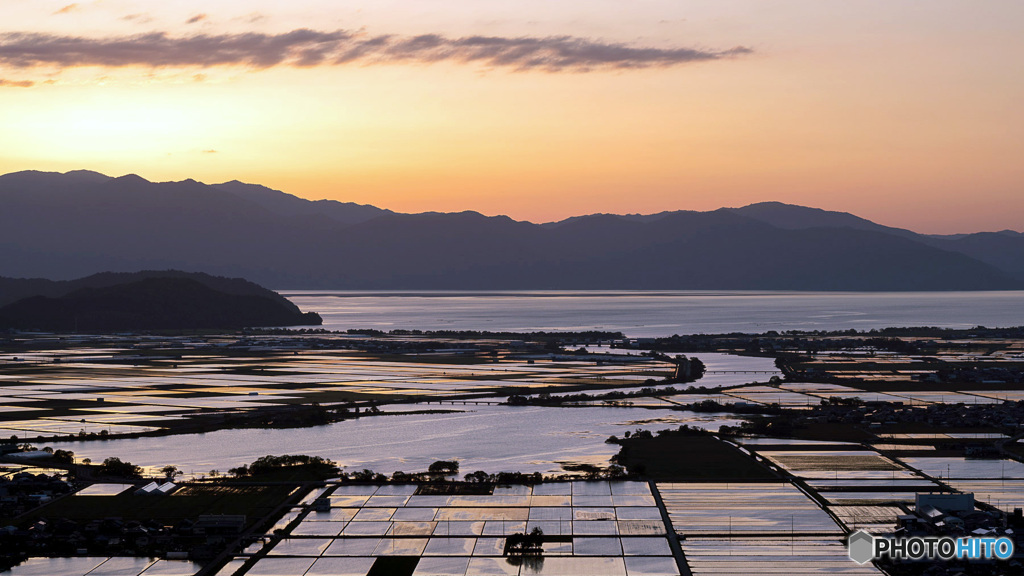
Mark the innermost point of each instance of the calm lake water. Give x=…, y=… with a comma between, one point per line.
x=660, y=313
x=481, y=437
x=489, y=438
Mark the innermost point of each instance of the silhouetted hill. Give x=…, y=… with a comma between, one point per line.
x=67, y=225
x=721, y=249
x=794, y=217
x=154, y=302
x=1003, y=250
x=288, y=205
x=13, y=289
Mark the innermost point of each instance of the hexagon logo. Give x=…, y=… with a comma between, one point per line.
x=861, y=546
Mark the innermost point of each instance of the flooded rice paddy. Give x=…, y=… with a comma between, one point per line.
x=596, y=528
x=724, y=509
x=92, y=566
x=593, y=528
x=741, y=529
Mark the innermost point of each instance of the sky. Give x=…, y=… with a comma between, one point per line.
x=906, y=112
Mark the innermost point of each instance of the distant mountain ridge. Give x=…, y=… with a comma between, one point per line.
x=286, y=204
x=791, y=217
x=66, y=225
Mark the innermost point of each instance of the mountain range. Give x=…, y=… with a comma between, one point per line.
x=63, y=226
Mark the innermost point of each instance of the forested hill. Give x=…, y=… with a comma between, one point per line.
x=148, y=301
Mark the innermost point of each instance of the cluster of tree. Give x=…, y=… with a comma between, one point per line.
x=439, y=467
x=444, y=466
x=114, y=466
x=594, y=472
x=268, y=464
x=397, y=476
x=520, y=544
x=640, y=434
x=170, y=471
x=505, y=477
x=367, y=475
x=63, y=456
x=482, y=478
x=697, y=370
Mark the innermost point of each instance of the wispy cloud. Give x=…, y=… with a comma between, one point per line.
x=253, y=17
x=140, y=18
x=304, y=48
x=16, y=83
x=196, y=18
x=67, y=9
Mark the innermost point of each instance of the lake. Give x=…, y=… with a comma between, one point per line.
x=659, y=313
x=482, y=437
x=489, y=438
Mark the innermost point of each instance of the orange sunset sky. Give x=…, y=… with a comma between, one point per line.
x=910, y=113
